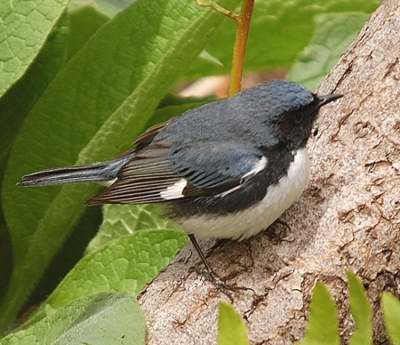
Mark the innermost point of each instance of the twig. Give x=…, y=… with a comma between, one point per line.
x=243, y=21
x=239, y=53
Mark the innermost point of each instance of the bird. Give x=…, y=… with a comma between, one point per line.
x=225, y=170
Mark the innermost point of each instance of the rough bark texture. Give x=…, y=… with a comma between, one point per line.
x=348, y=219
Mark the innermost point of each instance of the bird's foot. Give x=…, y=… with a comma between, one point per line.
x=218, y=282
x=221, y=284
x=211, y=276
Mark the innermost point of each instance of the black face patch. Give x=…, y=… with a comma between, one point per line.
x=295, y=127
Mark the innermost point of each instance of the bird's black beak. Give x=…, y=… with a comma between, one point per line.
x=322, y=100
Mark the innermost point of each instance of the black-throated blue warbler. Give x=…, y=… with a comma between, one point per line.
x=227, y=169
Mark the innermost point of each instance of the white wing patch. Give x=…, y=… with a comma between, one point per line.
x=174, y=191
x=107, y=183
x=259, y=166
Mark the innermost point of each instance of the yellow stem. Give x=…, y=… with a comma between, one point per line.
x=239, y=53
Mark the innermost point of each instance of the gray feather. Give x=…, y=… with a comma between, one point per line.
x=103, y=171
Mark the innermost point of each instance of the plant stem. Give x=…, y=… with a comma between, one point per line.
x=218, y=8
x=239, y=53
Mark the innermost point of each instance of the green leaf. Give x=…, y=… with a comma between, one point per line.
x=323, y=327
x=391, y=311
x=112, y=7
x=361, y=311
x=65, y=39
x=126, y=264
x=68, y=256
x=231, y=328
x=24, y=27
x=171, y=99
x=280, y=31
x=85, y=19
x=104, y=319
x=5, y=248
x=20, y=98
x=333, y=34
x=72, y=31
x=100, y=101
x=122, y=220
x=5, y=255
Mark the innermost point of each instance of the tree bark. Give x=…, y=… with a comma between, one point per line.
x=348, y=218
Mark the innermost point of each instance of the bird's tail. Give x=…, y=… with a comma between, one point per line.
x=104, y=171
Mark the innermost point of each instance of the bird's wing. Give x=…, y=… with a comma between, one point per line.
x=162, y=173
x=147, y=137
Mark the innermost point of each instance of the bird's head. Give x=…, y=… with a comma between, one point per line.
x=288, y=107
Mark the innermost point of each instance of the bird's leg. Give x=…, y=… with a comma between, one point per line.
x=216, y=7
x=216, y=280
x=201, y=255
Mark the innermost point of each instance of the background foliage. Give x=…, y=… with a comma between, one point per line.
x=79, y=81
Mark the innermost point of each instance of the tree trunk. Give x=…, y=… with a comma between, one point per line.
x=348, y=218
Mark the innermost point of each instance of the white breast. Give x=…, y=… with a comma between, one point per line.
x=247, y=223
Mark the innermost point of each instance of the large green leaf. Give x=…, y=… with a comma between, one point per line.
x=100, y=101
x=126, y=264
x=112, y=7
x=391, y=311
x=280, y=31
x=104, y=319
x=5, y=248
x=333, y=34
x=24, y=27
x=323, y=326
x=361, y=311
x=65, y=39
x=173, y=100
x=72, y=31
x=19, y=99
x=231, y=328
x=5, y=255
x=122, y=220
x=84, y=20
x=68, y=255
